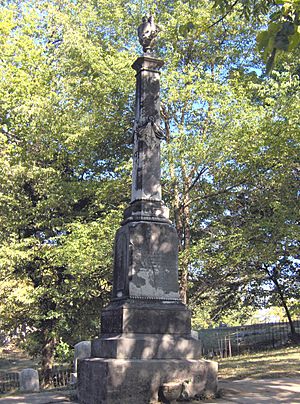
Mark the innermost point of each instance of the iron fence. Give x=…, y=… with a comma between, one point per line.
x=59, y=377
x=228, y=341
x=9, y=381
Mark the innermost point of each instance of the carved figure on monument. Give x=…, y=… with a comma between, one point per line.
x=147, y=33
x=150, y=132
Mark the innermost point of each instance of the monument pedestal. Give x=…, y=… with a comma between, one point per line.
x=144, y=344
x=139, y=381
x=143, y=316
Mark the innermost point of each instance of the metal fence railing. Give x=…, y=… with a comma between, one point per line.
x=229, y=341
x=59, y=377
x=9, y=381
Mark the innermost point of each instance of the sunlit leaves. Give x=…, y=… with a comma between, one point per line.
x=229, y=159
x=65, y=89
x=282, y=33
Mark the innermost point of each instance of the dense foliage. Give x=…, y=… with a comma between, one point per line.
x=230, y=158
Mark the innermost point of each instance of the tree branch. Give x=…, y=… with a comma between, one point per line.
x=224, y=15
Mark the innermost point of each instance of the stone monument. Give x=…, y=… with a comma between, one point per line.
x=145, y=345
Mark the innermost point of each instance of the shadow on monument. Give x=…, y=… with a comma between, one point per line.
x=143, y=379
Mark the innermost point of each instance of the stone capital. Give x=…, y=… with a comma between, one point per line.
x=147, y=63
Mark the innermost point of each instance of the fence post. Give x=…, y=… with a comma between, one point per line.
x=229, y=347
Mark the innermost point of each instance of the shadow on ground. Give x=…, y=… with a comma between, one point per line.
x=43, y=397
x=284, y=391
x=262, y=391
x=272, y=364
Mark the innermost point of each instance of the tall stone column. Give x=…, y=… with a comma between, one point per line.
x=146, y=203
x=145, y=339
x=147, y=134
x=146, y=245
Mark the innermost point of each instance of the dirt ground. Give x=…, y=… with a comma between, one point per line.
x=45, y=397
x=271, y=391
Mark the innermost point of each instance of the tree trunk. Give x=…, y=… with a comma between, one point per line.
x=294, y=335
x=47, y=357
x=186, y=259
x=186, y=242
x=287, y=311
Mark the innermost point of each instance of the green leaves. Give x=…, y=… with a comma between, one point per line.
x=282, y=34
x=63, y=131
x=229, y=155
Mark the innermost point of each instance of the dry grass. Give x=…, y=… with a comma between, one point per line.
x=277, y=363
x=13, y=359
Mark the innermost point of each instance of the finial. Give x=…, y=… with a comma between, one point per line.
x=147, y=33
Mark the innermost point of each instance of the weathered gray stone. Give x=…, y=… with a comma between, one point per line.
x=147, y=33
x=146, y=261
x=29, y=380
x=112, y=381
x=146, y=346
x=171, y=391
x=146, y=317
x=73, y=378
x=194, y=334
x=82, y=350
x=146, y=172
x=153, y=211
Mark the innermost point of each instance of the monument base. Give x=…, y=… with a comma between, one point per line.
x=128, y=381
x=146, y=346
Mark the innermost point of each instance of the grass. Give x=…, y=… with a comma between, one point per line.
x=284, y=362
x=13, y=359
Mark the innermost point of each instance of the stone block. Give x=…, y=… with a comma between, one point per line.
x=146, y=262
x=141, y=210
x=115, y=381
x=146, y=346
x=194, y=334
x=73, y=378
x=29, y=380
x=146, y=317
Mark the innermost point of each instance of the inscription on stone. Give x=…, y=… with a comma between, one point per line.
x=121, y=264
x=154, y=269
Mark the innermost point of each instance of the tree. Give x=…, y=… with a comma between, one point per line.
x=197, y=58
x=230, y=159
x=283, y=33
x=63, y=143
x=229, y=133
